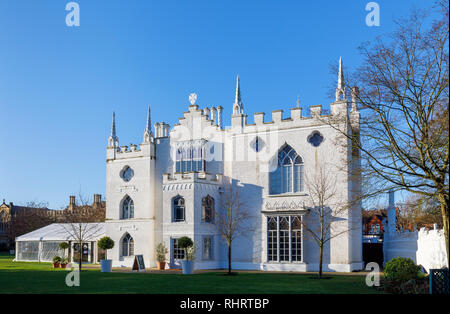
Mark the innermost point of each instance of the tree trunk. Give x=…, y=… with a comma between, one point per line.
x=444, y=202
x=320, y=260
x=229, y=258
x=80, y=256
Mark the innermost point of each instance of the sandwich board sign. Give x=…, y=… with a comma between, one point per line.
x=138, y=263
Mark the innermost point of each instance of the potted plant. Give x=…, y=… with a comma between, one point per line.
x=64, y=262
x=161, y=251
x=56, y=261
x=105, y=243
x=187, y=263
x=64, y=246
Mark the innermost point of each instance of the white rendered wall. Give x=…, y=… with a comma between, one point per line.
x=426, y=248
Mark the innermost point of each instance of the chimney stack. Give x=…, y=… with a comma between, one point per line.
x=71, y=202
x=97, y=200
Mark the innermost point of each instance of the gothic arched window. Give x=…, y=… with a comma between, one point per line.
x=127, y=245
x=178, y=209
x=127, y=210
x=208, y=209
x=288, y=176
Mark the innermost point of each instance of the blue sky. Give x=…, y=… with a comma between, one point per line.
x=59, y=85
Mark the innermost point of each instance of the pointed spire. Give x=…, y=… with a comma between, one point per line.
x=341, y=75
x=298, y=101
x=237, y=99
x=148, y=134
x=238, y=107
x=149, y=121
x=340, y=90
x=113, y=127
x=113, y=140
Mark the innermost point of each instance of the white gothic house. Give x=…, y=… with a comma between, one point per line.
x=169, y=186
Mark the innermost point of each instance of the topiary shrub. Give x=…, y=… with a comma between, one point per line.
x=105, y=243
x=400, y=269
x=63, y=245
x=185, y=242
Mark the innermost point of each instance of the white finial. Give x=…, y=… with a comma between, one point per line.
x=148, y=134
x=298, y=101
x=340, y=90
x=192, y=98
x=149, y=122
x=113, y=127
x=238, y=107
x=113, y=140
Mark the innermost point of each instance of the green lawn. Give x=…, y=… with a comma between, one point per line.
x=24, y=277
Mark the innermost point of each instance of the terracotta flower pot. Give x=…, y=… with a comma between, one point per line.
x=161, y=265
x=56, y=265
x=63, y=265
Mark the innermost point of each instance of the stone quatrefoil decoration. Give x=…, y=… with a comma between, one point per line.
x=315, y=139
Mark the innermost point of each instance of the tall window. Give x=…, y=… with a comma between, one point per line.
x=178, y=209
x=207, y=248
x=127, y=210
x=190, y=158
x=208, y=209
x=178, y=253
x=284, y=239
x=288, y=177
x=127, y=245
x=272, y=239
x=296, y=238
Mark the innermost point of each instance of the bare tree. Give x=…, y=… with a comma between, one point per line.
x=402, y=87
x=326, y=207
x=83, y=224
x=419, y=211
x=232, y=216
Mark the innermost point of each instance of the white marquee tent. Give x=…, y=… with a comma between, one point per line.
x=42, y=245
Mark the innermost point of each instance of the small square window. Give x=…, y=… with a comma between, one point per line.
x=207, y=248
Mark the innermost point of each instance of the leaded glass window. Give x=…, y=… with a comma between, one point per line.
x=207, y=248
x=272, y=237
x=288, y=176
x=127, y=210
x=208, y=209
x=127, y=245
x=178, y=209
x=296, y=238
x=190, y=158
x=284, y=238
x=178, y=253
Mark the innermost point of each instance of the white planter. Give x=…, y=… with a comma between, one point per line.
x=105, y=265
x=188, y=267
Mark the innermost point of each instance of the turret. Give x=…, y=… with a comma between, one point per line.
x=113, y=140
x=340, y=105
